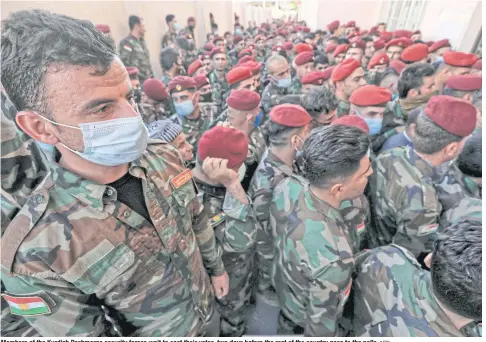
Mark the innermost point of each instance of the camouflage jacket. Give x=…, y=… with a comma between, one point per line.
x=314, y=258
x=467, y=208
x=393, y=297
x=405, y=202
x=260, y=56
x=232, y=57
x=356, y=215
x=188, y=57
x=271, y=96
x=134, y=52
x=256, y=146
x=270, y=172
x=74, y=249
x=154, y=110
x=168, y=38
x=343, y=108
x=166, y=79
x=220, y=87
x=295, y=87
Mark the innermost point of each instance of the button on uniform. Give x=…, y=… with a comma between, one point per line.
x=126, y=213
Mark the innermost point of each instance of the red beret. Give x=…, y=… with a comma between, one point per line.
x=250, y=46
x=254, y=66
x=430, y=43
x=270, y=36
x=397, y=42
x=358, y=43
x=333, y=25
x=379, y=44
x=155, y=89
x=340, y=49
x=460, y=59
x=344, y=69
x=237, y=39
x=238, y=74
x=245, y=59
x=194, y=66
x=201, y=80
x=378, y=59
x=103, y=28
x=132, y=71
x=352, y=121
x=314, y=77
x=180, y=83
x=290, y=115
x=328, y=72
x=243, y=99
x=370, y=95
x=259, y=37
x=244, y=52
x=330, y=48
x=374, y=29
x=302, y=47
x=352, y=35
x=415, y=52
x=306, y=29
x=478, y=65
x=216, y=51
x=217, y=39
x=205, y=55
x=351, y=23
x=402, y=33
x=225, y=143
x=465, y=82
x=288, y=46
x=439, y=44
x=387, y=36
x=278, y=48
x=397, y=65
x=208, y=47
x=453, y=115
x=303, y=58
x=299, y=28
x=191, y=19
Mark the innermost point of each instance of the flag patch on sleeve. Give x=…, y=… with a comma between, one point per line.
x=27, y=306
x=428, y=229
x=128, y=48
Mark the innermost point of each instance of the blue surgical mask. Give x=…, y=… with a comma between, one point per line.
x=237, y=31
x=177, y=26
x=258, y=119
x=185, y=108
x=374, y=125
x=111, y=142
x=394, y=96
x=284, y=83
x=299, y=152
x=439, y=59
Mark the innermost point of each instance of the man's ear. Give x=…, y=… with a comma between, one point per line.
x=468, y=97
x=337, y=191
x=36, y=127
x=452, y=150
x=412, y=93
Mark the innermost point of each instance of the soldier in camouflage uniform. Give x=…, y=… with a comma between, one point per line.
x=231, y=216
x=304, y=64
x=395, y=297
x=347, y=77
x=187, y=49
x=404, y=198
x=193, y=118
x=169, y=38
x=239, y=44
x=206, y=97
x=189, y=29
x=133, y=50
x=171, y=63
x=84, y=241
x=260, y=48
x=155, y=101
x=321, y=104
x=288, y=126
x=218, y=77
x=315, y=259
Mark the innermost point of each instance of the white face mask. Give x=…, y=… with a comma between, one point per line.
x=299, y=152
x=111, y=142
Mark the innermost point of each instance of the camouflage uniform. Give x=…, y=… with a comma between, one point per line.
x=356, y=215
x=235, y=230
x=76, y=249
x=220, y=88
x=168, y=38
x=271, y=96
x=393, y=296
x=260, y=57
x=343, y=108
x=295, y=86
x=314, y=262
x=188, y=56
x=405, y=202
x=256, y=146
x=154, y=110
x=134, y=52
x=467, y=208
x=233, y=57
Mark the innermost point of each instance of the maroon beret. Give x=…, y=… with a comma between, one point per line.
x=299, y=27
x=290, y=115
x=330, y=48
x=191, y=19
x=208, y=47
x=397, y=42
x=238, y=74
x=201, y=80
x=402, y=33
x=132, y=71
x=278, y=48
x=439, y=44
x=254, y=66
x=352, y=121
x=465, y=82
x=370, y=95
x=314, y=77
x=216, y=51
x=217, y=39
x=302, y=47
x=237, y=38
x=205, y=55
x=386, y=36
x=225, y=143
x=243, y=99
x=103, y=28
x=358, y=43
x=333, y=25
x=270, y=36
x=460, y=59
x=328, y=72
x=453, y=115
x=259, y=37
x=306, y=29
x=245, y=59
x=478, y=65
x=344, y=69
x=244, y=52
x=180, y=83
x=378, y=59
x=288, y=46
x=397, y=65
x=194, y=67
x=340, y=49
x=155, y=89
x=303, y=58
x=379, y=44
x=415, y=52
x=351, y=23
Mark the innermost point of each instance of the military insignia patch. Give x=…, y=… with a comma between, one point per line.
x=27, y=306
x=178, y=87
x=360, y=228
x=181, y=179
x=128, y=48
x=217, y=219
x=428, y=229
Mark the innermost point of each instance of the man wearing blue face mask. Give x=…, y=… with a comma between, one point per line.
x=193, y=118
x=170, y=36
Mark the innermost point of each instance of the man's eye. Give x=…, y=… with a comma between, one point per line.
x=104, y=109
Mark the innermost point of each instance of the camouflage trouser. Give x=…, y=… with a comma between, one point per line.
x=235, y=306
x=287, y=327
x=212, y=326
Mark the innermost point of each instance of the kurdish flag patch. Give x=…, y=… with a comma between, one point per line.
x=27, y=306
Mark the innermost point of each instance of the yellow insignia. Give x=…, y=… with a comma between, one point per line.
x=178, y=87
x=382, y=61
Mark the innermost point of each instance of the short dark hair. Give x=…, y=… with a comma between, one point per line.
x=343, y=41
x=133, y=20
x=429, y=138
x=366, y=39
x=310, y=35
x=168, y=57
x=332, y=38
x=412, y=77
x=333, y=152
x=35, y=40
x=321, y=59
x=470, y=160
x=279, y=135
x=318, y=100
x=169, y=18
x=456, y=268
x=379, y=24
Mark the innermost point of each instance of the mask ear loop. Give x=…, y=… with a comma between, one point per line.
x=55, y=123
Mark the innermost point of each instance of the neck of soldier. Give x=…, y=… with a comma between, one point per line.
x=325, y=196
x=136, y=34
x=100, y=174
x=220, y=73
x=341, y=96
x=433, y=159
x=285, y=154
x=456, y=319
x=194, y=114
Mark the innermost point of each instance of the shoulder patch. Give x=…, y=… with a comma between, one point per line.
x=27, y=306
x=217, y=219
x=127, y=47
x=427, y=229
x=181, y=178
x=360, y=228
x=346, y=292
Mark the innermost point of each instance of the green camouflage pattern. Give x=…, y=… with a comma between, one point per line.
x=79, y=249
x=235, y=230
x=168, y=38
x=220, y=88
x=405, y=203
x=269, y=173
x=295, y=87
x=468, y=208
x=271, y=97
x=256, y=146
x=343, y=108
x=260, y=57
x=188, y=56
x=154, y=110
x=314, y=259
x=393, y=297
x=356, y=216
x=232, y=58
x=134, y=53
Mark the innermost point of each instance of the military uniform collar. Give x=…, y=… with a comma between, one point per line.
x=278, y=163
x=421, y=164
x=324, y=208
